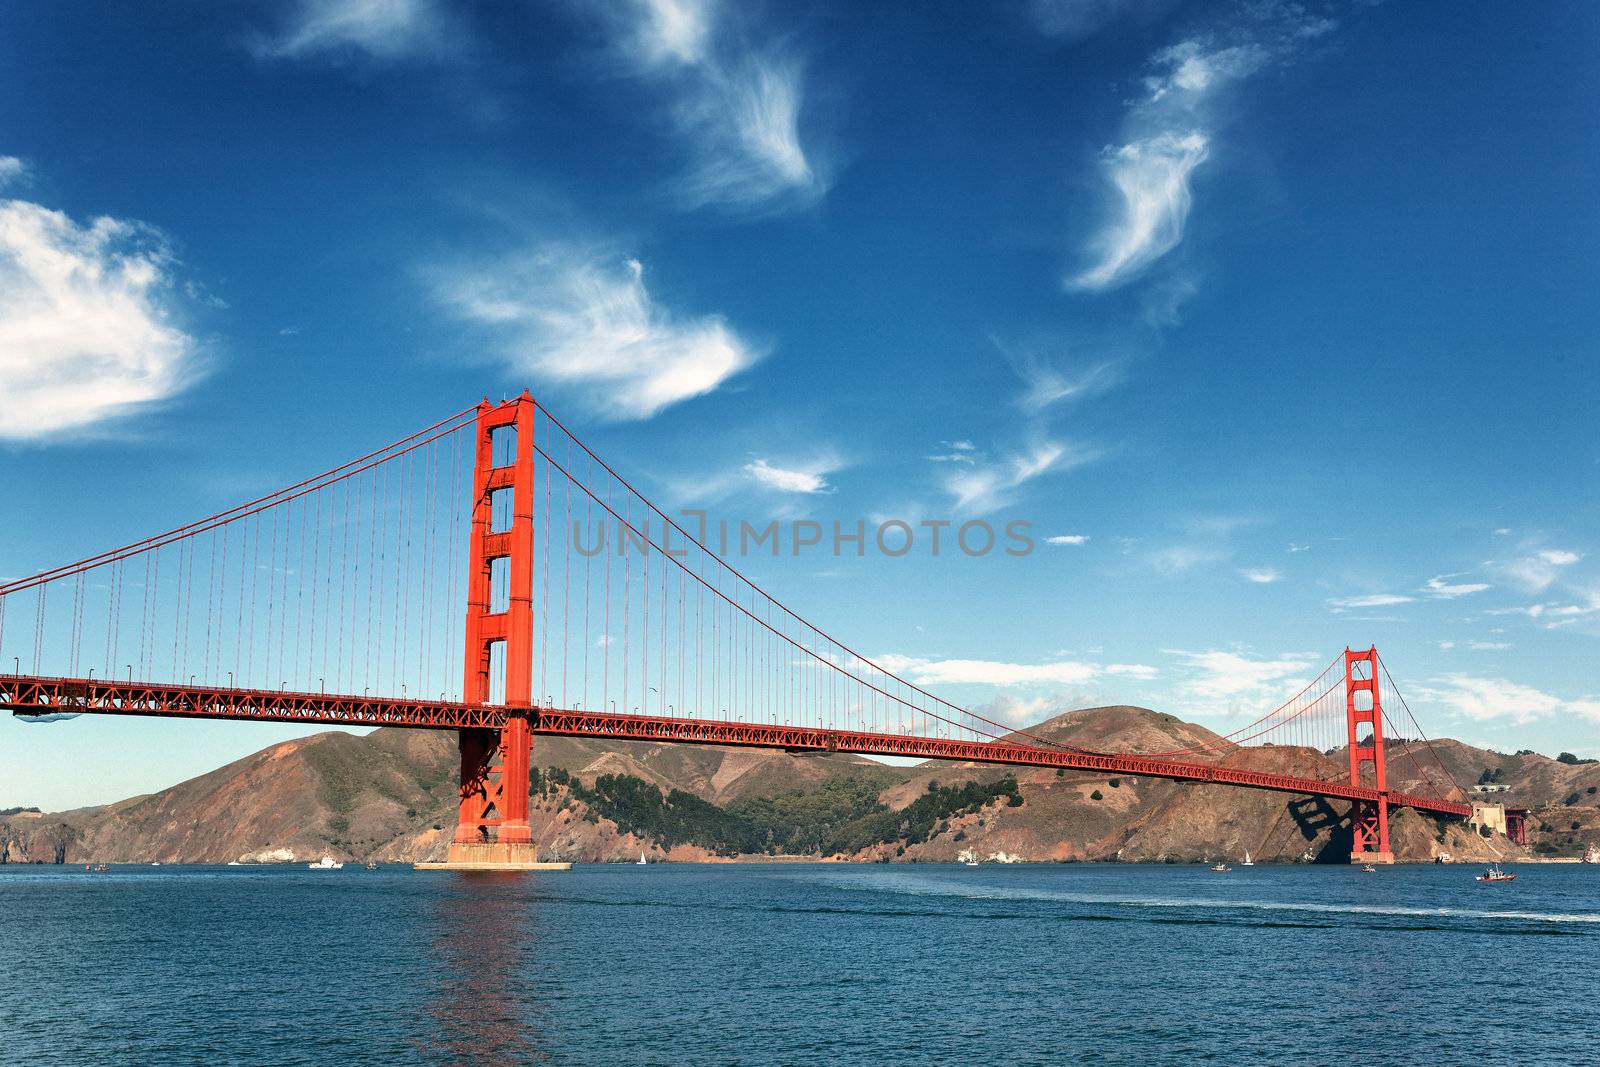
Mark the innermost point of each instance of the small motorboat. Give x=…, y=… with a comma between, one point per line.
x=372, y=865
x=96, y=868
x=1220, y=868
x=1367, y=868
x=326, y=863
x=1493, y=873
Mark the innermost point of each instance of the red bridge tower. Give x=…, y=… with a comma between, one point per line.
x=1369, y=819
x=492, y=831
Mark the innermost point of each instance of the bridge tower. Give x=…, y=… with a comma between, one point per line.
x=1369, y=819
x=492, y=831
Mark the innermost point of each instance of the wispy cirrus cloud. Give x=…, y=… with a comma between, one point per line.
x=737, y=109
x=380, y=30
x=799, y=478
x=1262, y=575
x=1000, y=673
x=1220, y=681
x=1486, y=699
x=955, y=452
x=1539, y=569
x=1441, y=587
x=1046, y=384
x=1371, y=600
x=581, y=319
x=1170, y=131
x=1073, y=20
x=1067, y=539
x=987, y=484
x=88, y=312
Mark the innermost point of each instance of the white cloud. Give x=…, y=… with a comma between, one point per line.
x=386, y=30
x=1503, y=531
x=1538, y=571
x=1375, y=600
x=11, y=169
x=584, y=320
x=1442, y=588
x=86, y=321
x=1293, y=548
x=1263, y=575
x=1067, y=539
x=1176, y=559
x=997, y=673
x=1188, y=67
x=1484, y=699
x=1151, y=178
x=986, y=486
x=672, y=31
x=1071, y=20
x=1234, y=680
x=1047, y=385
x=804, y=480
x=736, y=109
x=955, y=452
x=1169, y=130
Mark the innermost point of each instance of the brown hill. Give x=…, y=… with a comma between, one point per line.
x=391, y=795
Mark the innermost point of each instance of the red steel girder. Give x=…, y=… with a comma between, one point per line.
x=37, y=696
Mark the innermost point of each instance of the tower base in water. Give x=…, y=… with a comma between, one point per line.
x=492, y=856
x=1373, y=858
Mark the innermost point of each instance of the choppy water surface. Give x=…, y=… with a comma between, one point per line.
x=790, y=964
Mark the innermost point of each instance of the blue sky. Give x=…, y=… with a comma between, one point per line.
x=1280, y=318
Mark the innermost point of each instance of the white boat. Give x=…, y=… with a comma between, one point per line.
x=1220, y=868
x=1248, y=862
x=235, y=863
x=642, y=861
x=971, y=863
x=326, y=863
x=1592, y=856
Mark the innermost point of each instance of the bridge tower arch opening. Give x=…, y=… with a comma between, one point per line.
x=1369, y=818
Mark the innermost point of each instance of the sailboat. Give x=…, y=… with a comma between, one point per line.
x=642, y=861
x=1248, y=862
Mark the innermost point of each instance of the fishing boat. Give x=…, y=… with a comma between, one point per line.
x=326, y=863
x=1494, y=874
x=1220, y=868
x=1248, y=862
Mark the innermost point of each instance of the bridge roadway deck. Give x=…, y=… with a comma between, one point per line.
x=31, y=695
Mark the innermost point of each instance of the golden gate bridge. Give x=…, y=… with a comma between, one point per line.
x=332, y=602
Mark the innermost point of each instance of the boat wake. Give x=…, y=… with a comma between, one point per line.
x=913, y=886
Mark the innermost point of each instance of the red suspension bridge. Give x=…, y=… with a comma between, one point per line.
x=590, y=613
